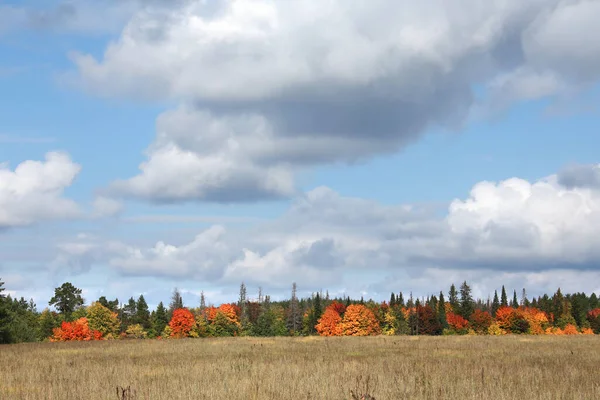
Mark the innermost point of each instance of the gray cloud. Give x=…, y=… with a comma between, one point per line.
x=580, y=176
x=271, y=88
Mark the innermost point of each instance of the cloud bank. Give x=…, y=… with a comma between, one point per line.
x=269, y=88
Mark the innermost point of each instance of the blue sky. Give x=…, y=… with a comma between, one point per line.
x=198, y=145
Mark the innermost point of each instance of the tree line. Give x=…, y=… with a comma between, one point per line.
x=457, y=313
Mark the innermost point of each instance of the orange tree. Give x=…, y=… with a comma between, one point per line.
x=78, y=330
x=329, y=323
x=181, y=323
x=359, y=321
x=456, y=322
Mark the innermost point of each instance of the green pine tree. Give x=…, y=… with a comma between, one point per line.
x=495, y=303
x=503, y=298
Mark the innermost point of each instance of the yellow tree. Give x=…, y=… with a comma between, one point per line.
x=103, y=320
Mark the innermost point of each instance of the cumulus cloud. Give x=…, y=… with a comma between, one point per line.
x=273, y=87
x=106, y=207
x=510, y=227
x=34, y=191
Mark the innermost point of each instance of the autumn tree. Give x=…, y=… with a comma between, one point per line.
x=593, y=318
x=456, y=323
x=329, y=323
x=428, y=322
x=77, y=330
x=481, y=321
x=103, y=320
x=359, y=321
x=181, y=323
x=67, y=298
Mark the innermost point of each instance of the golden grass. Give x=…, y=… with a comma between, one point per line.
x=466, y=367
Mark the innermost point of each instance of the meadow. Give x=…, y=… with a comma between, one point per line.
x=397, y=367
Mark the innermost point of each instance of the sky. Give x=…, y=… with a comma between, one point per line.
x=350, y=146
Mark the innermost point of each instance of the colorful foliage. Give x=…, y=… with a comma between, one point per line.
x=181, y=323
x=329, y=323
x=456, y=322
x=103, y=320
x=77, y=330
x=481, y=321
x=359, y=321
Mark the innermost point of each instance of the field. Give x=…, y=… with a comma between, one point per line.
x=467, y=367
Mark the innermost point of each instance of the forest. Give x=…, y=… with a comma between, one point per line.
x=458, y=313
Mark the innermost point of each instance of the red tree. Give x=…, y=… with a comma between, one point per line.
x=481, y=321
x=181, y=323
x=76, y=330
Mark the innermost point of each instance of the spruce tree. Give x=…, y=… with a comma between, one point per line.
x=441, y=312
x=466, y=301
x=453, y=299
x=142, y=315
x=495, y=303
x=400, y=299
x=160, y=319
x=4, y=317
x=503, y=298
x=392, y=300
x=515, y=302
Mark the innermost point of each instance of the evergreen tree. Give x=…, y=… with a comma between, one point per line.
x=495, y=303
x=558, y=301
x=593, y=301
x=294, y=322
x=4, y=317
x=67, y=298
x=392, y=300
x=453, y=299
x=442, y=312
x=202, y=302
x=47, y=322
x=112, y=305
x=316, y=312
x=400, y=299
x=515, y=302
x=142, y=313
x=242, y=304
x=348, y=301
x=503, y=298
x=129, y=313
x=524, y=300
x=466, y=301
x=160, y=319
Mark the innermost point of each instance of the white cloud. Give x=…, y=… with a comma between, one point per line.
x=34, y=191
x=324, y=239
x=106, y=207
x=273, y=87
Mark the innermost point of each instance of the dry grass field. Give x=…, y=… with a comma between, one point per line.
x=509, y=367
